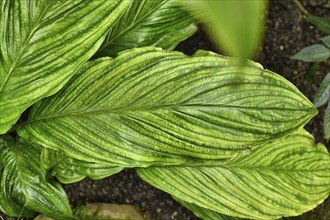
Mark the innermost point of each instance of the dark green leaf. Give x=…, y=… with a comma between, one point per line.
x=326, y=122
x=312, y=71
x=69, y=170
x=326, y=41
x=286, y=177
x=42, y=45
x=24, y=187
x=160, y=23
x=323, y=92
x=323, y=24
x=314, y=53
x=149, y=107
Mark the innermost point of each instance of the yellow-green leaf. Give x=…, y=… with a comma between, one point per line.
x=42, y=43
x=149, y=107
x=236, y=26
x=286, y=177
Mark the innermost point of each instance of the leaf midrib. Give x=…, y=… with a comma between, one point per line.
x=250, y=168
x=153, y=108
x=25, y=44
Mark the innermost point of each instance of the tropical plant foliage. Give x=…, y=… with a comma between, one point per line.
x=318, y=53
x=322, y=97
x=225, y=138
x=276, y=179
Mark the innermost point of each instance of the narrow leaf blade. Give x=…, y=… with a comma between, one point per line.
x=149, y=107
x=314, y=53
x=159, y=23
x=326, y=41
x=323, y=24
x=323, y=92
x=285, y=177
x=326, y=122
x=43, y=43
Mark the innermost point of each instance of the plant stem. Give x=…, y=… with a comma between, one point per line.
x=301, y=8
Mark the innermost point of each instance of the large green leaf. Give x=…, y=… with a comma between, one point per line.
x=236, y=26
x=285, y=177
x=69, y=170
x=152, y=107
x=24, y=187
x=42, y=43
x=160, y=23
x=323, y=92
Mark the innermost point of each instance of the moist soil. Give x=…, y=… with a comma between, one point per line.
x=286, y=33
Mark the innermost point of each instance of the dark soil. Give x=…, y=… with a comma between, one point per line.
x=286, y=33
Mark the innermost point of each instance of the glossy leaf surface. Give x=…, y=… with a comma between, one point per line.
x=285, y=177
x=24, y=187
x=160, y=23
x=323, y=92
x=69, y=170
x=149, y=107
x=42, y=43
